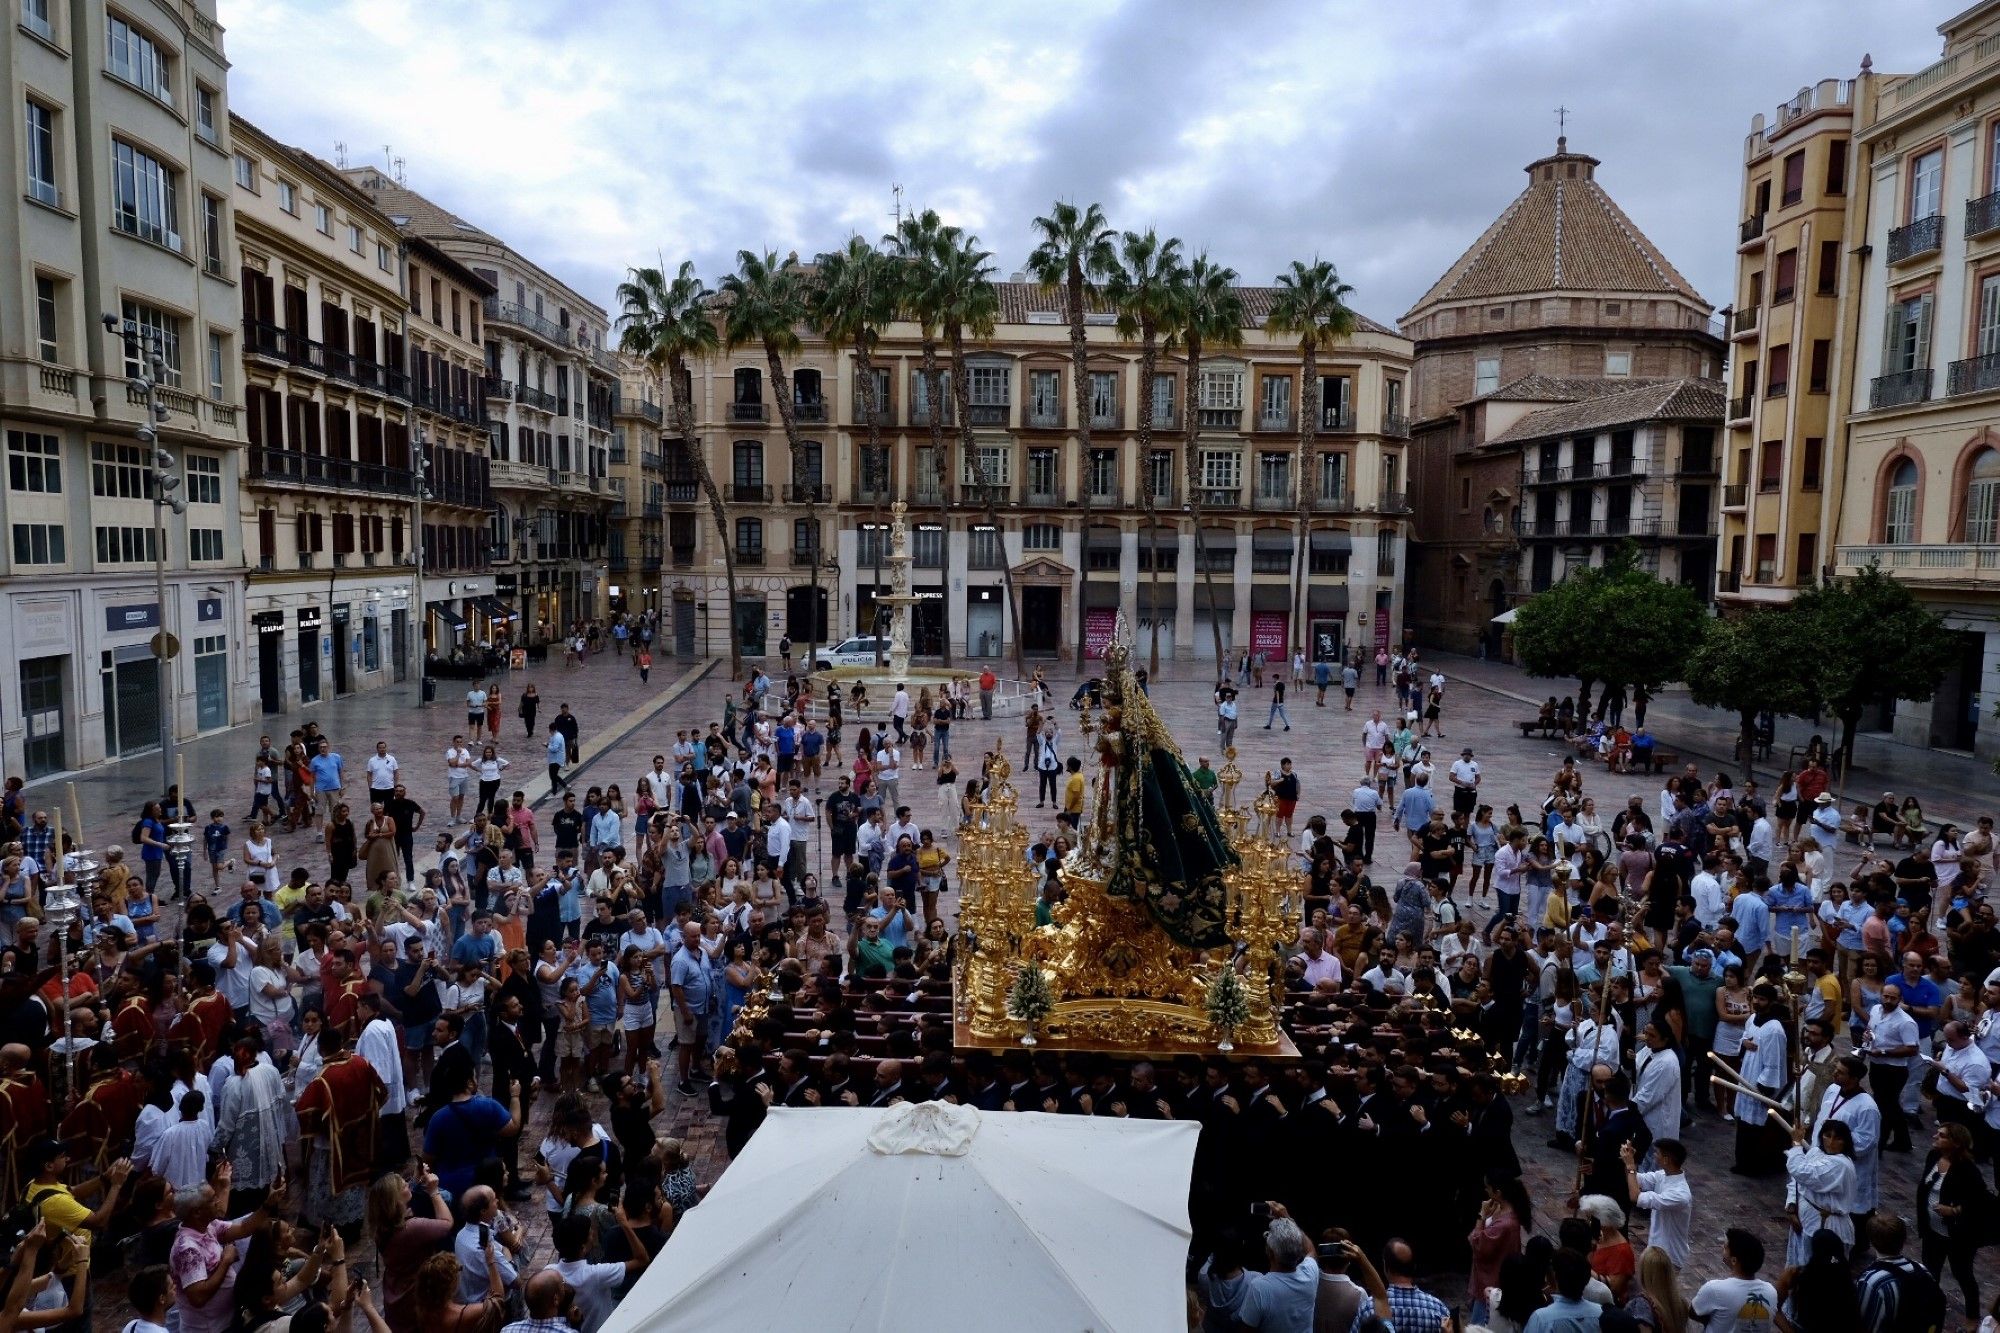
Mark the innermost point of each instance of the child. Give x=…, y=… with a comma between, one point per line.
x=264, y=789
x=918, y=736
x=575, y=1026
x=181, y=1154
x=215, y=836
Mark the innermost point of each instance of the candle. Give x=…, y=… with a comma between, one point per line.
x=180, y=784
x=1795, y=944
x=75, y=810
x=59, y=849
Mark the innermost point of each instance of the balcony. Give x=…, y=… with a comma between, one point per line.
x=1961, y=565
x=1221, y=418
x=920, y=415
x=682, y=492
x=1275, y=421
x=1326, y=501
x=1922, y=237
x=507, y=472
x=1982, y=215
x=867, y=493
x=651, y=412
x=1165, y=495
x=743, y=492
x=681, y=556
x=1396, y=424
x=1973, y=375
x=985, y=495
x=603, y=359
x=290, y=467
x=1698, y=465
x=1900, y=389
x=1782, y=295
x=750, y=555
x=1167, y=420
x=1752, y=228
x=507, y=312
x=495, y=387
x=809, y=493
x=927, y=493
x=1336, y=420
x=988, y=414
x=1045, y=418
x=1395, y=502
x=1043, y=499
x=1273, y=500
x=539, y=399
x=1729, y=581
x=804, y=559
x=812, y=411
x=1739, y=407
x=1777, y=388
x=1743, y=322
x=649, y=460
x=748, y=412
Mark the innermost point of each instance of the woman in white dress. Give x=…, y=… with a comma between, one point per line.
x=1819, y=1193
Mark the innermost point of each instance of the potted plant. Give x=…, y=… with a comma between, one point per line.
x=1029, y=1000
x=1228, y=1005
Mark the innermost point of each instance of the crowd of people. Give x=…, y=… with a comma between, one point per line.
x=283, y=1056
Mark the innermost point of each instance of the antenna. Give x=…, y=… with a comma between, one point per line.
x=340, y=153
x=396, y=170
x=897, y=190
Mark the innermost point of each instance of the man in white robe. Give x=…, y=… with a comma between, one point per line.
x=1656, y=1085
x=1767, y=1068
x=180, y=1157
x=1850, y=1102
x=255, y=1125
x=380, y=1045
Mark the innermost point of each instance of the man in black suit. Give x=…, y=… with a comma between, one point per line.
x=1616, y=1123
x=1489, y=1129
x=836, y=1085
x=742, y=1093
x=513, y=1068
x=936, y=1079
x=451, y=1067
x=795, y=1082
x=889, y=1084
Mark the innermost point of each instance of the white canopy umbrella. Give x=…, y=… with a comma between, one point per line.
x=929, y=1216
x=1506, y=617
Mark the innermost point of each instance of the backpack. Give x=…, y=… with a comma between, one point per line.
x=1918, y=1305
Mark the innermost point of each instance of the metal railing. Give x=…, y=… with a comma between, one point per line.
x=1273, y=501
x=1221, y=418
x=1220, y=497
x=1982, y=214
x=1743, y=321
x=748, y=412
x=1396, y=424
x=508, y=312
x=1395, y=502
x=1336, y=419
x=1739, y=406
x=1975, y=374
x=1276, y=421
x=495, y=387
x=750, y=493
x=539, y=399
x=1920, y=237
x=1698, y=465
x=1752, y=228
x=1728, y=581
x=813, y=410
x=1045, y=420
x=1900, y=388
x=988, y=414
x=809, y=493
x=753, y=555
x=1043, y=499
x=308, y=469
x=652, y=412
x=681, y=492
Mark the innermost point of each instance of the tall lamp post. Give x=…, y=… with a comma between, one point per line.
x=420, y=471
x=146, y=349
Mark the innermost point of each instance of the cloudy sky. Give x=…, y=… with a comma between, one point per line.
x=597, y=134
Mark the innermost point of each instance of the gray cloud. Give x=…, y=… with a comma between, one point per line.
x=1383, y=138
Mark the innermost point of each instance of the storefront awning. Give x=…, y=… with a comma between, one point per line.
x=449, y=618
x=494, y=609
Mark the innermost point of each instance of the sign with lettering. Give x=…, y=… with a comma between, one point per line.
x=120, y=619
x=1267, y=633
x=1098, y=624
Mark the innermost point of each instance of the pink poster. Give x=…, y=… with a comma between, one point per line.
x=1267, y=634
x=1382, y=624
x=1098, y=624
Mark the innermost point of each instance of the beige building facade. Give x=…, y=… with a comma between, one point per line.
x=1069, y=525
x=121, y=170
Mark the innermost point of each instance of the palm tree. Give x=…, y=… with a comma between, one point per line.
x=854, y=299
x=916, y=244
x=1312, y=305
x=1207, y=311
x=1143, y=288
x=1075, y=254
x=665, y=322
x=961, y=295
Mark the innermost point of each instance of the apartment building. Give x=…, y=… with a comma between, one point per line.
x=638, y=523
x=1068, y=526
x=550, y=386
x=1917, y=487
x=1558, y=362
x=120, y=208
x=1783, y=331
x=342, y=391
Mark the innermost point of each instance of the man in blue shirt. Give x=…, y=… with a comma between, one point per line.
x=329, y=773
x=1920, y=996
x=1569, y=1312
x=1753, y=925
x=688, y=983
x=480, y=945
x=1791, y=910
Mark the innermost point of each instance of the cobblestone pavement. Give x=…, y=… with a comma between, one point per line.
x=1324, y=743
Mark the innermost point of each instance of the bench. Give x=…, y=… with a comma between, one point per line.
x=1529, y=726
x=1661, y=758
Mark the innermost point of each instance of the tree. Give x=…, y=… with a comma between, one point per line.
x=1613, y=624
x=916, y=244
x=852, y=302
x=1766, y=660
x=665, y=322
x=1144, y=287
x=961, y=294
x=1207, y=311
x=1311, y=305
x=1076, y=253
x=1876, y=642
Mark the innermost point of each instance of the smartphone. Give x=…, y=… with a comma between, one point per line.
x=485, y=1233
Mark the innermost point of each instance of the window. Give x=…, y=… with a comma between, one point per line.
x=1836, y=167
x=137, y=59
x=1042, y=479
x=994, y=459
x=1274, y=476
x=35, y=18
x=1103, y=474
x=39, y=544
x=1160, y=475
x=1103, y=397
x=46, y=314
x=1899, y=521
x=218, y=357
x=989, y=386
x=805, y=534
x=748, y=462
x=1222, y=390
x=927, y=546
x=204, y=114
x=246, y=172
x=1617, y=364
x=1795, y=178
x=750, y=534
x=1822, y=358
x=118, y=472
x=1163, y=398
x=1982, y=500
x=1771, y=466
x=1333, y=477
x=42, y=155
x=382, y=256
x=288, y=197
x=1786, y=280
x=1041, y=537
x=985, y=548
x=1044, y=397
x=1485, y=375
x=34, y=463
x=1779, y=380
x=144, y=197
x=153, y=326
x=1989, y=315
x=122, y=544
x=204, y=544
x=211, y=236
x=1926, y=184
x=323, y=219
x=1829, y=267
x=1810, y=455
x=1275, y=408
x=1221, y=469
x=1909, y=335
x=354, y=239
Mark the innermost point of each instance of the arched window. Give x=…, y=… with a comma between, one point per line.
x=1982, y=499
x=1899, y=520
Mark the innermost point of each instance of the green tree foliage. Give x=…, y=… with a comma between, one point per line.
x=1875, y=642
x=1766, y=660
x=1610, y=624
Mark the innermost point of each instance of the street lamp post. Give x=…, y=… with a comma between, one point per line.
x=420, y=470
x=145, y=348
